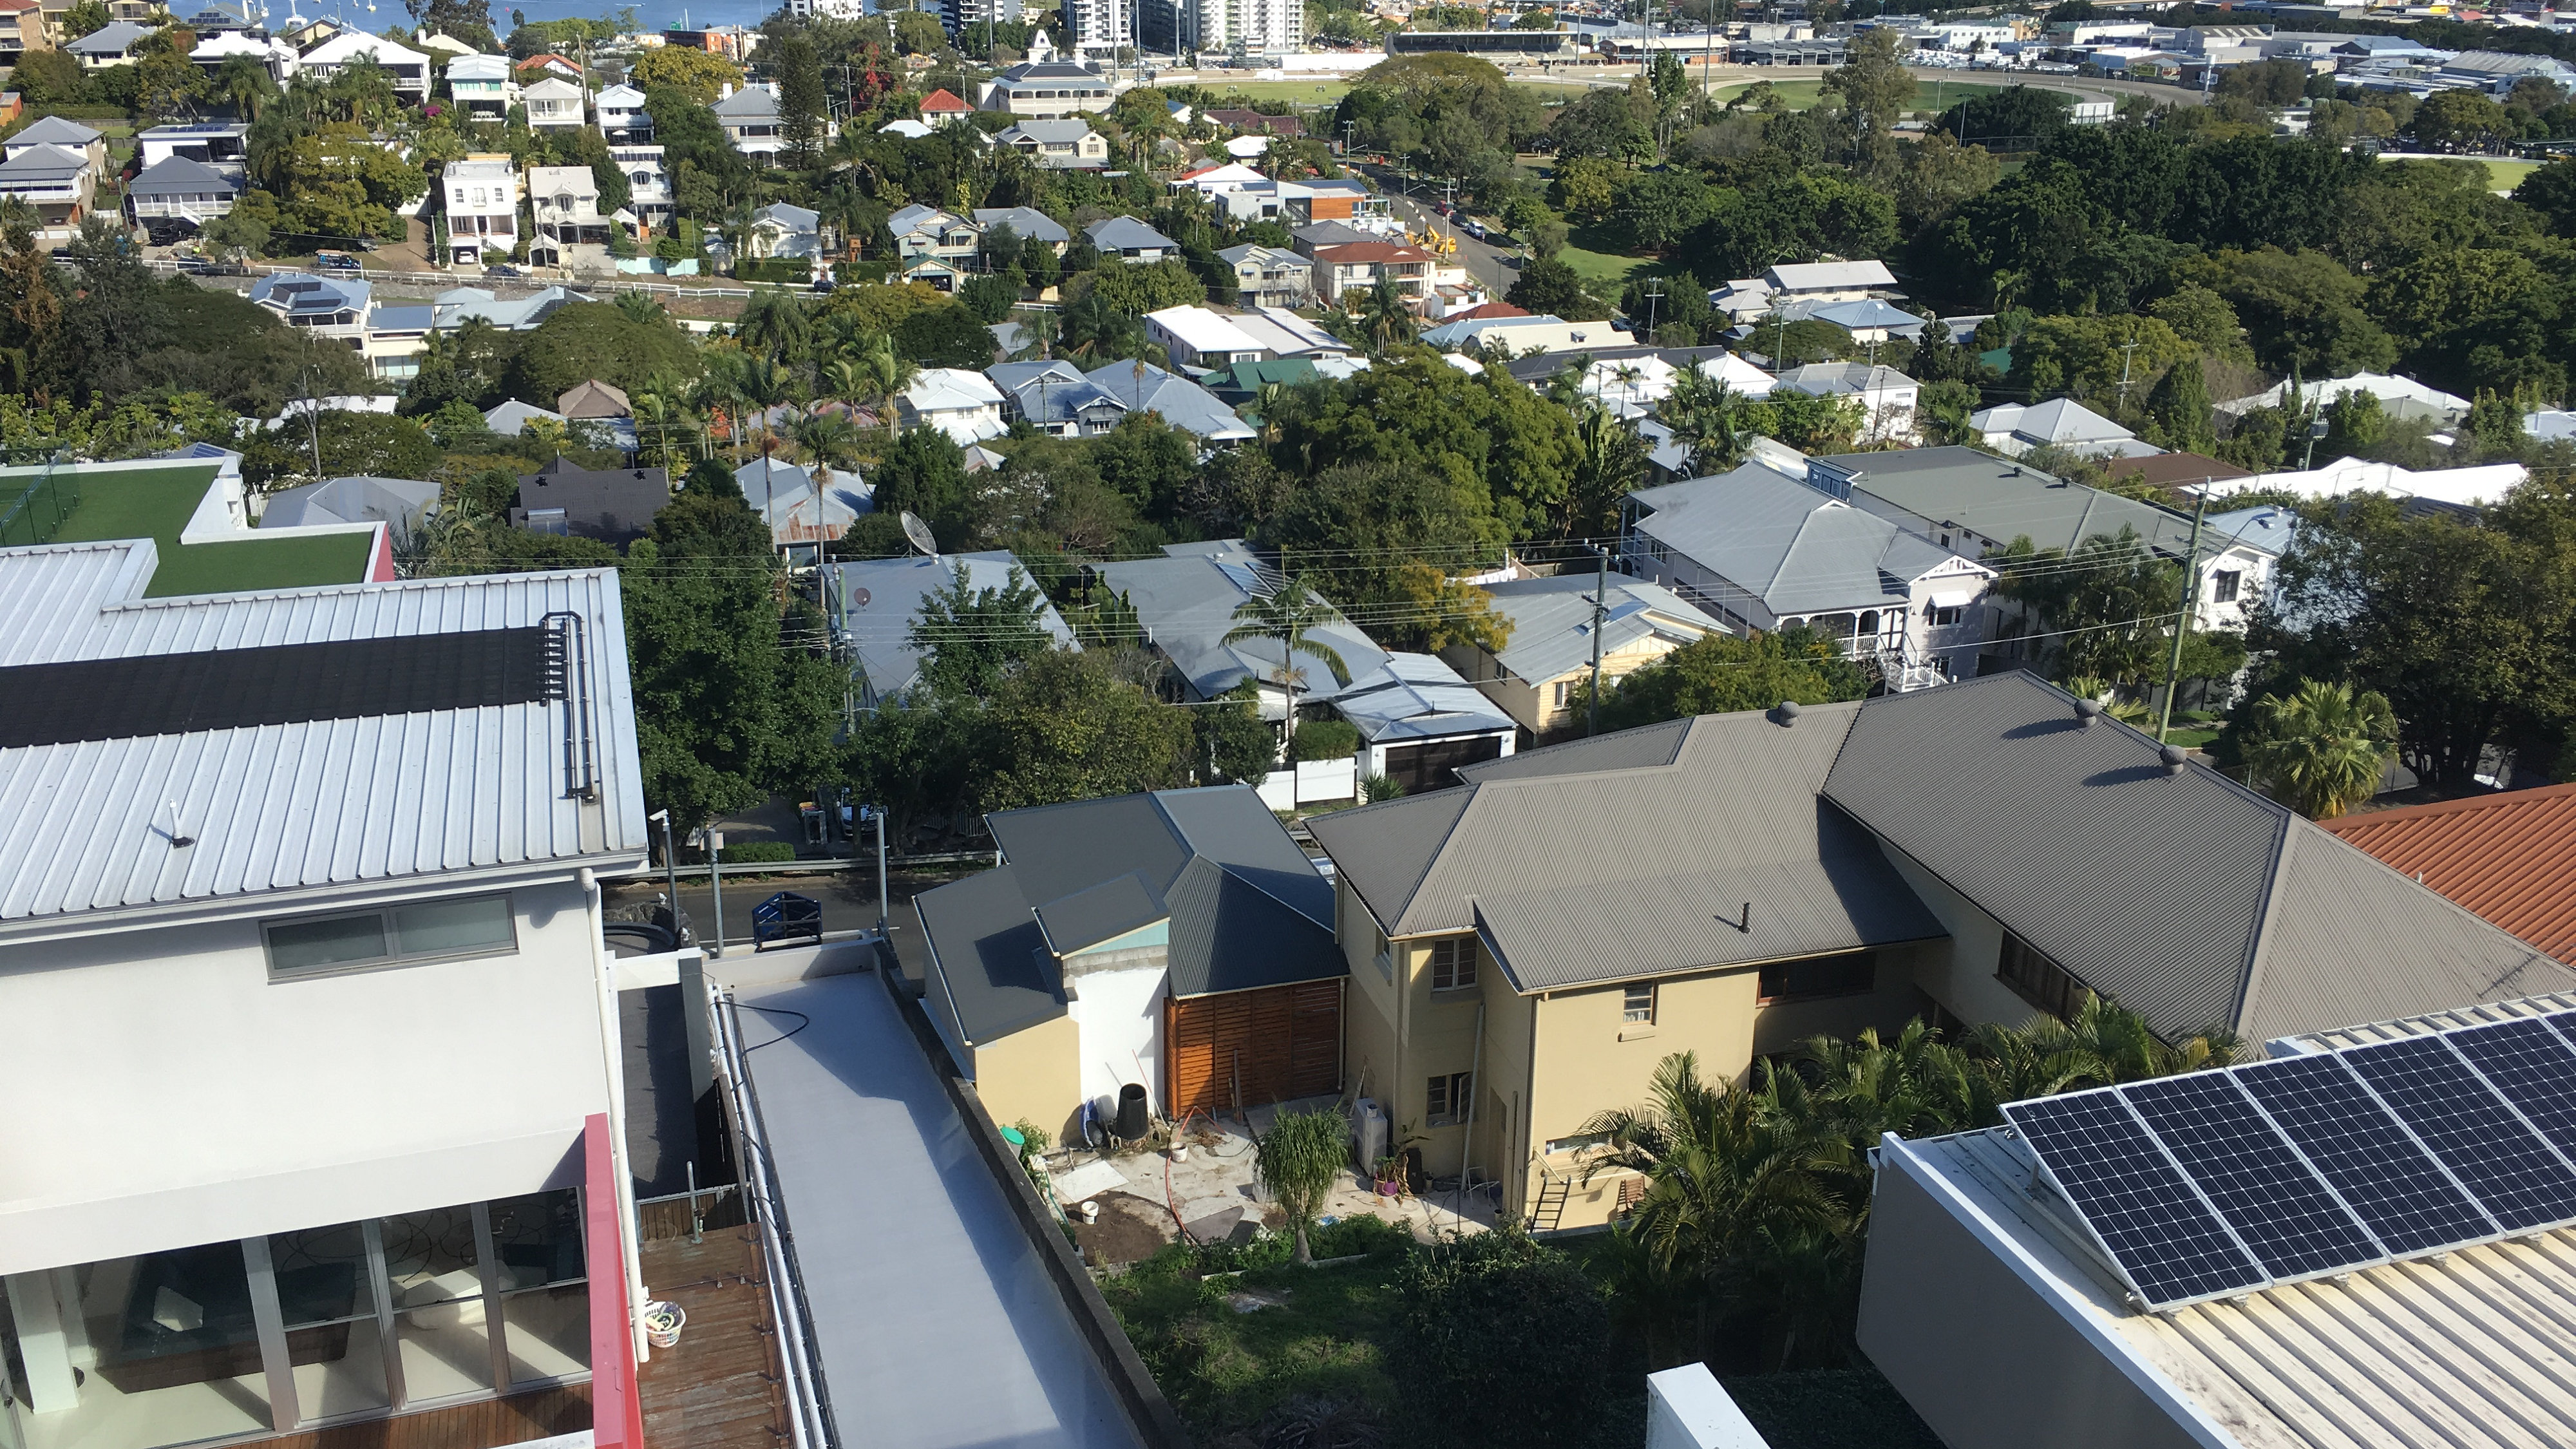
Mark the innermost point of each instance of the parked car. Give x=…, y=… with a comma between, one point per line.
x=336, y=262
x=502, y=269
x=1472, y=227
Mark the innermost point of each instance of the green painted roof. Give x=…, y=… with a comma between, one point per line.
x=156, y=503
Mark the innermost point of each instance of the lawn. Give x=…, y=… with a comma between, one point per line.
x=156, y=503
x=1598, y=269
x=2506, y=175
x=1230, y=1350
x=1930, y=97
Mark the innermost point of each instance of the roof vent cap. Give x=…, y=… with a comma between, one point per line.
x=2175, y=757
x=1787, y=713
x=2088, y=710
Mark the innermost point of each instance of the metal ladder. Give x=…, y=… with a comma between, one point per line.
x=1550, y=1207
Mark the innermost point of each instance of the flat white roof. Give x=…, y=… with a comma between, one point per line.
x=309, y=807
x=1201, y=330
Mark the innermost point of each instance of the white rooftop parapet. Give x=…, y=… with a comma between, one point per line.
x=1686, y=1408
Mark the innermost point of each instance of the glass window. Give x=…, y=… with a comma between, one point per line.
x=2036, y=979
x=1637, y=1005
x=1447, y=1098
x=1453, y=963
x=134, y=1352
x=538, y=1239
x=1829, y=976
x=326, y=1296
x=2223, y=586
x=442, y=1331
x=415, y=931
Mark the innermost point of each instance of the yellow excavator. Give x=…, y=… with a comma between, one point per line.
x=1438, y=243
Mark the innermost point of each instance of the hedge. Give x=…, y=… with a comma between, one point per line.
x=756, y=852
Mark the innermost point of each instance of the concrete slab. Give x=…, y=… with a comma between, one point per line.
x=936, y=1322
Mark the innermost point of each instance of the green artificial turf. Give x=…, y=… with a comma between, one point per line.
x=156, y=503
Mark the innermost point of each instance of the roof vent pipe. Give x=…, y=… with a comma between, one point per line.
x=2175, y=757
x=1787, y=713
x=2087, y=711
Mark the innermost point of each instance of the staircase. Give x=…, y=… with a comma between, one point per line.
x=1550, y=1207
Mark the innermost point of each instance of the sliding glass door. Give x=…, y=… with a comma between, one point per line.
x=233, y=1340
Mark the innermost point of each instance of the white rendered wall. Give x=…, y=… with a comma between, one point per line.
x=1120, y=1016
x=165, y=1092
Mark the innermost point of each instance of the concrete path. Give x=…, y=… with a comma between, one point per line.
x=937, y=1324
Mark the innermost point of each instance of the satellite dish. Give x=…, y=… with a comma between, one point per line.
x=859, y=597
x=919, y=532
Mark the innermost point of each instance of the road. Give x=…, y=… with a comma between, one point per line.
x=849, y=901
x=1491, y=265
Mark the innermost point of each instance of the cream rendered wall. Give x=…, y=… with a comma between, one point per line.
x=1439, y=1039
x=1372, y=1040
x=1034, y=1074
x=1120, y=1019
x=169, y=1093
x=1960, y=973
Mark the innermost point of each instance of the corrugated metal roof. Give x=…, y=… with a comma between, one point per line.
x=298, y=807
x=1552, y=621
x=1101, y=913
x=2476, y=1351
x=994, y=966
x=1187, y=604
x=2511, y=857
x=1231, y=934
x=1787, y=544
x=2194, y=901
x=1417, y=697
x=1654, y=744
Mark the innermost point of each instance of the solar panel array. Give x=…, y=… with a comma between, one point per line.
x=2219, y=1183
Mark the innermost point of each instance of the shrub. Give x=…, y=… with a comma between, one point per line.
x=1324, y=739
x=1501, y=1341
x=756, y=852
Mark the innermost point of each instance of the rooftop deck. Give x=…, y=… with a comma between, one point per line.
x=938, y=1325
x=156, y=503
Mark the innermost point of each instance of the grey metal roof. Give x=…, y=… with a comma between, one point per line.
x=1187, y=605
x=1418, y=697
x=1184, y=404
x=359, y=498
x=1552, y=621
x=2004, y=500
x=2194, y=901
x=298, y=811
x=179, y=176
x=1117, y=233
x=1063, y=132
x=2058, y=420
x=1246, y=907
x=114, y=38
x=991, y=956
x=55, y=131
x=1592, y=868
x=1838, y=379
x=1025, y=222
x=879, y=597
x=43, y=164
x=1789, y=545
x=751, y=103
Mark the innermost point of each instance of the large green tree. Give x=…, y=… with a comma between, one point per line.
x=1726, y=674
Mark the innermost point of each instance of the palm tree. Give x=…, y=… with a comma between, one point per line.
x=1294, y=615
x=642, y=308
x=246, y=85
x=776, y=323
x=2322, y=749
x=1298, y=1160
x=763, y=385
x=1385, y=319
x=1707, y=415
x=828, y=441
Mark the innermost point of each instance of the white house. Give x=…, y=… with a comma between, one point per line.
x=1750, y=297
x=484, y=86
x=964, y=405
x=221, y=145
x=619, y=110
x=270, y=54
x=409, y=68
x=1069, y=145
x=482, y=203
x=317, y=1088
x=1886, y=396
x=555, y=104
x=1517, y=336
x=1197, y=337
x=648, y=181
x=2399, y=397
x=563, y=205
x=750, y=120
x=179, y=189
x=2015, y=428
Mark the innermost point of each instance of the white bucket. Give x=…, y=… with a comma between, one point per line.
x=663, y=1322
x=1180, y=1152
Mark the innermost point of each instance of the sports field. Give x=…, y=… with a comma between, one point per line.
x=1930, y=97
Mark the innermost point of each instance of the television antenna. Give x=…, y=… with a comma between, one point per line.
x=919, y=534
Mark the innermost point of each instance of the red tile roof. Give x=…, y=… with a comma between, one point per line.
x=1490, y=309
x=941, y=100
x=2509, y=857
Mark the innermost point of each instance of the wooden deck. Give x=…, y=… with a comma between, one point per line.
x=492, y=1424
x=718, y=1389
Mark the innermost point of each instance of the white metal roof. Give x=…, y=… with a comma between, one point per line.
x=298, y=811
x=1201, y=330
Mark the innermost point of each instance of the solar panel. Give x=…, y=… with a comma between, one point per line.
x=2166, y=1241
x=2521, y=1180
x=2533, y=1067
x=2257, y=1181
x=2401, y=1194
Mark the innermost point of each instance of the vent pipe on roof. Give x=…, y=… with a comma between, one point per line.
x=1786, y=714
x=2088, y=710
x=2175, y=757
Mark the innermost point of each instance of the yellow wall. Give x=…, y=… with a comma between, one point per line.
x=1036, y=1074
x=1532, y=705
x=1960, y=973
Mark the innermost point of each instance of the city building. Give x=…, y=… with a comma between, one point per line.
x=22, y=30
x=958, y=17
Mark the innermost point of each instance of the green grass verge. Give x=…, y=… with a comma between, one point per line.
x=1601, y=268
x=2506, y=175
x=1930, y=97
x=156, y=503
x=1327, y=92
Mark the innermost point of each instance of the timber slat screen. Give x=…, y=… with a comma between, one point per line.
x=1282, y=1042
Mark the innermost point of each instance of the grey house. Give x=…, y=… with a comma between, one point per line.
x=613, y=505
x=1125, y=236
x=873, y=603
x=1054, y=397
x=359, y=498
x=1762, y=551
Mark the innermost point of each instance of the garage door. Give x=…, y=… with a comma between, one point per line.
x=1268, y=1045
x=1428, y=766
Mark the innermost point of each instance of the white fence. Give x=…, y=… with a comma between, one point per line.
x=1310, y=782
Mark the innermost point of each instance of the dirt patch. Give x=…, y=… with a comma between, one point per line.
x=1130, y=1230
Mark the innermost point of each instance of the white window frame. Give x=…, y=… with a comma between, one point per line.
x=1461, y=953
x=1630, y=1013
x=1446, y=1098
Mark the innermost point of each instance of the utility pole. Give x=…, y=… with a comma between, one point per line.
x=1654, y=294
x=1600, y=606
x=313, y=422
x=2128, y=354
x=2182, y=622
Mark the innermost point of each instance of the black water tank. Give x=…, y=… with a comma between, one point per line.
x=1132, y=1113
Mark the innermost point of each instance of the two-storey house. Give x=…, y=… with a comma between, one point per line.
x=483, y=86
x=481, y=199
